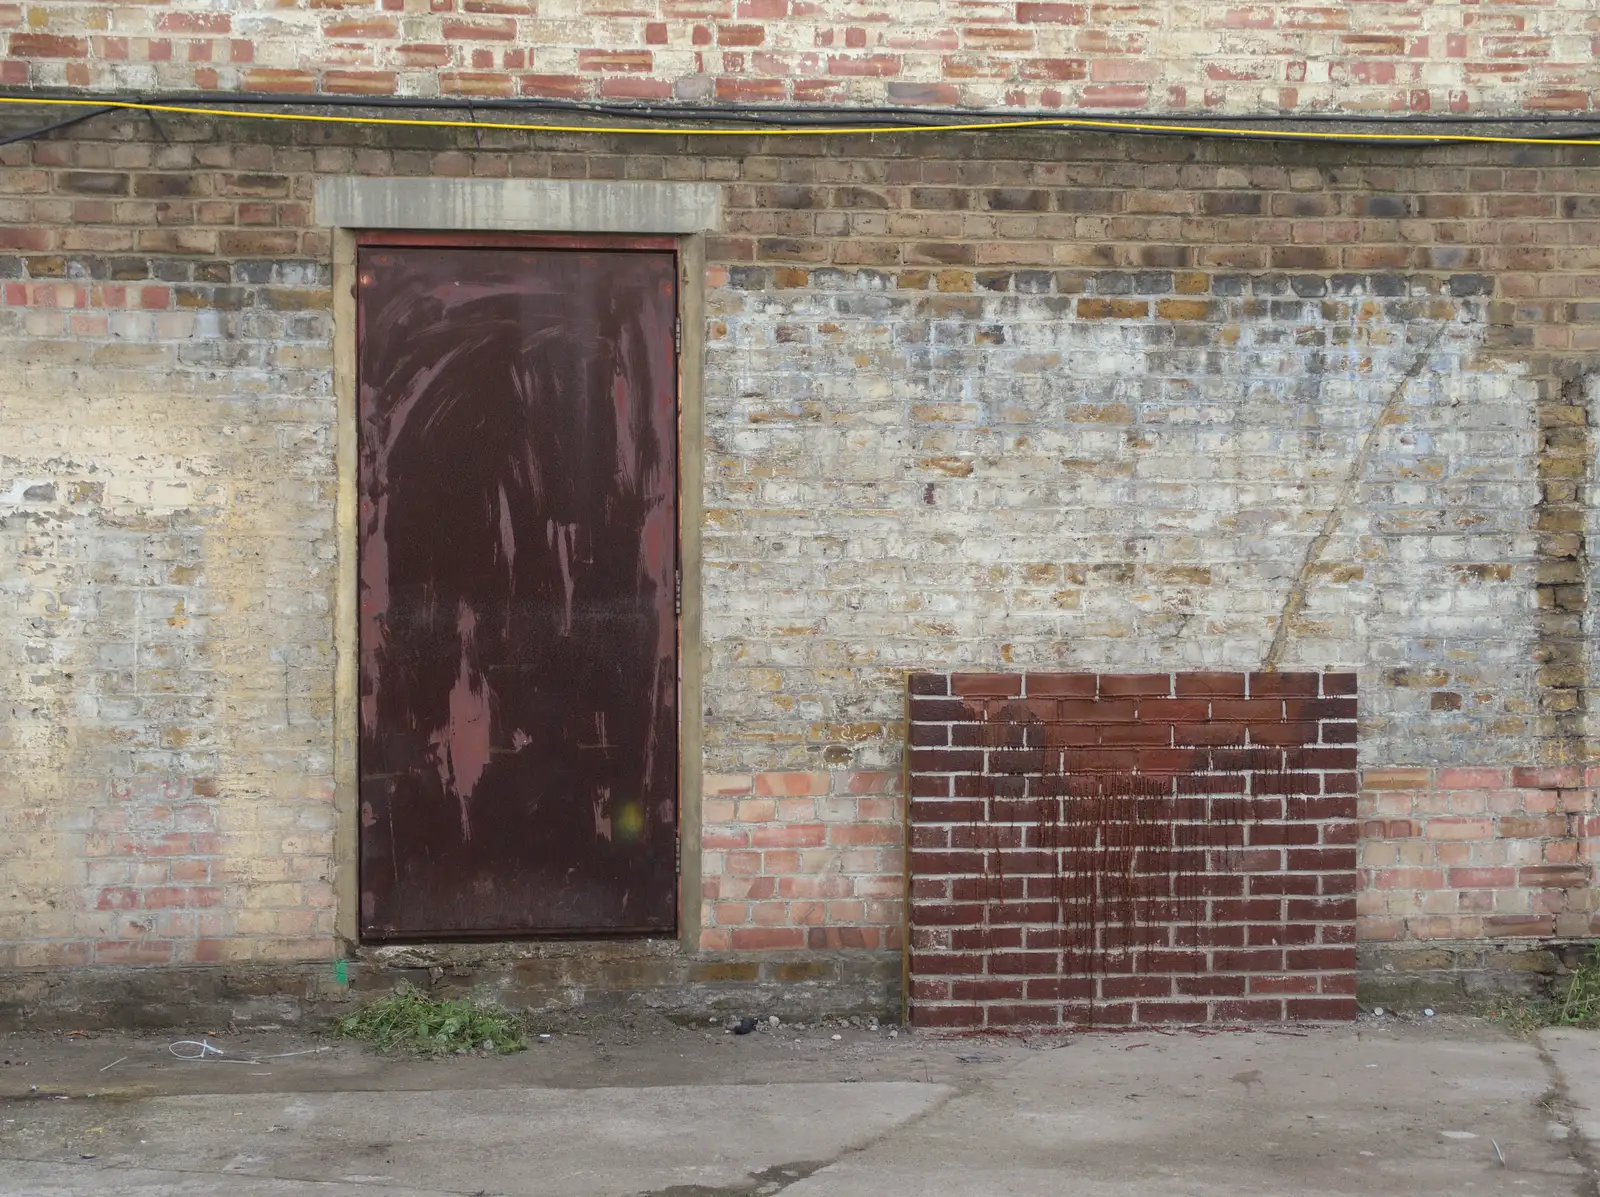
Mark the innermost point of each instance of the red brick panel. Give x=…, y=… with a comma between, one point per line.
x=1124, y=849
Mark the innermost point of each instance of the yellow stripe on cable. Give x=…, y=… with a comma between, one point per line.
x=1064, y=122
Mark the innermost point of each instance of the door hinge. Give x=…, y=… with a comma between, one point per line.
x=677, y=591
x=677, y=334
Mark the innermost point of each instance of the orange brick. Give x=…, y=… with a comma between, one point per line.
x=1397, y=779
x=781, y=862
x=1112, y=309
x=367, y=83
x=272, y=79
x=797, y=810
x=1557, y=778
x=730, y=914
x=757, y=810
x=858, y=834
x=791, y=784
x=1472, y=779
x=1179, y=309
x=792, y=835
x=767, y=938
x=806, y=913
x=1448, y=828
x=872, y=783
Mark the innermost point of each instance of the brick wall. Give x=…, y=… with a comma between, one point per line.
x=1006, y=403
x=1378, y=57
x=1122, y=849
x=166, y=557
x=1464, y=854
x=802, y=860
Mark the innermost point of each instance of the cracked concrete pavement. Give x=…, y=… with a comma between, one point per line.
x=640, y=1108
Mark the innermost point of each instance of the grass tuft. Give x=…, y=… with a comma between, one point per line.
x=408, y=1020
x=1578, y=1005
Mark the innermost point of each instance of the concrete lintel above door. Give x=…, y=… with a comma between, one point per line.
x=526, y=205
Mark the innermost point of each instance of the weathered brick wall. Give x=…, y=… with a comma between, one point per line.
x=1000, y=403
x=1453, y=853
x=1387, y=56
x=802, y=860
x=1126, y=849
x=165, y=533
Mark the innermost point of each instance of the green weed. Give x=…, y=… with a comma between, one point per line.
x=1580, y=1005
x=1575, y=1005
x=410, y=1021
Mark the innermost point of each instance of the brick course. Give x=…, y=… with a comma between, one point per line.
x=1388, y=57
x=1130, y=849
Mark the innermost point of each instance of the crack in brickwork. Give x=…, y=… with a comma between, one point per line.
x=1295, y=601
x=1128, y=849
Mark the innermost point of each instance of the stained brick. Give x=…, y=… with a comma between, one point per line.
x=986, y=684
x=1219, y=685
x=1061, y=685
x=1268, y=685
x=1334, y=1009
x=1148, y=943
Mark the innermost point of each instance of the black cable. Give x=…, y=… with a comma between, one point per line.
x=830, y=116
x=30, y=134
x=785, y=113
x=912, y=119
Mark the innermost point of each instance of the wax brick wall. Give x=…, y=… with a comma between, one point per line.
x=1382, y=56
x=1121, y=849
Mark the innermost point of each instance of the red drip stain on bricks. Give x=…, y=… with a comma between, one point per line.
x=1116, y=850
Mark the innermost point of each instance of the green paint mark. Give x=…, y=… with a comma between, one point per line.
x=339, y=973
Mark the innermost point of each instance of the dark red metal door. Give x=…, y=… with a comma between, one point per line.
x=519, y=652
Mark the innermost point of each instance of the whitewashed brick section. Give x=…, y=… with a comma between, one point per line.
x=166, y=526
x=994, y=482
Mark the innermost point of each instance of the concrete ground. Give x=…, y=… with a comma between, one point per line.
x=638, y=1107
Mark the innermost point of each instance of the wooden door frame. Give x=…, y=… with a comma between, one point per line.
x=689, y=251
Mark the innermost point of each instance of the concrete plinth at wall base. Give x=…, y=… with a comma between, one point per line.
x=654, y=975
x=1463, y=975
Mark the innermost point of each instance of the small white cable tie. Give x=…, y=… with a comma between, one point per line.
x=206, y=1050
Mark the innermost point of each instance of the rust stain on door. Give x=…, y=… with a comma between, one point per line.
x=518, y=575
